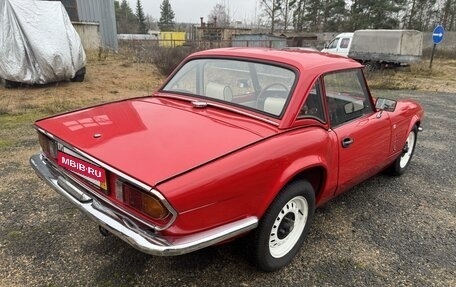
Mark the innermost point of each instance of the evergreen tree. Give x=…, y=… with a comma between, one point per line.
x=126, y=20
x=166, y=22
x=375, y=14
x=334, y=15
x=421, y=14
x=142, y=27
x=313, y=15
x=449, y=22
x=319, y=15
x=298, y=15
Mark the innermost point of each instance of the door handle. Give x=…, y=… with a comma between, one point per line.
x=346, y=142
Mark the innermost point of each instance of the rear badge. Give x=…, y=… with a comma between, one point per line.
x=97, y=136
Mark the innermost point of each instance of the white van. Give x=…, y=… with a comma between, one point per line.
x=379, y=48
x=339, y=45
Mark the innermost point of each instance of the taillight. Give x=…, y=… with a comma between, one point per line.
x=48, y=146
x=140, y=200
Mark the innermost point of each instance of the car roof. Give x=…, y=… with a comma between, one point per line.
x=305, y=61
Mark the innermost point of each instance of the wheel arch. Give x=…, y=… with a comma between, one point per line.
x=414, y=122
x=315, y=174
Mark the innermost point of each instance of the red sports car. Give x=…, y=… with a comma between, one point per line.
x=237, y=141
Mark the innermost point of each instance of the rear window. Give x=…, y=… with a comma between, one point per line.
x=259, y=86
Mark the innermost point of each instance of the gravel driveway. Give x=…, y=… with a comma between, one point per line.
x=385, y=232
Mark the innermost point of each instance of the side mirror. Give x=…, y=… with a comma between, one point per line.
x=385, y=105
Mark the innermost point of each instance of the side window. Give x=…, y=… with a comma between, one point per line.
x=344, y=43
x=313, y=107
x=347, y=96
x=333, y=44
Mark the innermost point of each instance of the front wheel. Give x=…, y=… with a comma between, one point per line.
x=401, y=163
x=284, y=226
x=79, y=76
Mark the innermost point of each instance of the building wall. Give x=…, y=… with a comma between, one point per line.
x=259, y=40
x=89, y=34
x=101, y=11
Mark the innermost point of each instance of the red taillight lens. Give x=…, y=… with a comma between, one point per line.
x=48, y=145
x=141, y=201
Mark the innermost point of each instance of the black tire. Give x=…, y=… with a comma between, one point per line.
x=80, y=75
x=284, y=226
x=401, y=163
x=12, y=84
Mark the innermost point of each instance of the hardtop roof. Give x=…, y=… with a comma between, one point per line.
x=301, y=59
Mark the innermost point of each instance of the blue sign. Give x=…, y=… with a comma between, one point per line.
x=437, y=35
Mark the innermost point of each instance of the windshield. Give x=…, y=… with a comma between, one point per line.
x=262, y=87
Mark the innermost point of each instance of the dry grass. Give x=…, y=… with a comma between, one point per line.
x=418, y=77
x=109, y=77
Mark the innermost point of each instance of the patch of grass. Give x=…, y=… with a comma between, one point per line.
x=387, y=80
x=417, y=77
x=14, y=121
x=5, y=143
x=5, y=103
x=58, y=105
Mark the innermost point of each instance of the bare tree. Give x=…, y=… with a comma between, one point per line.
x=271, y=8
x=220, y=14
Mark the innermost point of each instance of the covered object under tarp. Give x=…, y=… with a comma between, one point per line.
x=38, y=43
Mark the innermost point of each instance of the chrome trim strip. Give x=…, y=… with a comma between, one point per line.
x=126, y=229
x=213, y=104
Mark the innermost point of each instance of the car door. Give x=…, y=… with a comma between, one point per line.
x=363, y=135
x=339, y=46
x=343, y=46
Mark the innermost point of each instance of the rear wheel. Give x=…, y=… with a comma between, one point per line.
x=401, y=163
x=283, y=228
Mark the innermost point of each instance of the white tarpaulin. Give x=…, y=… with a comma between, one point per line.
x=38, y=43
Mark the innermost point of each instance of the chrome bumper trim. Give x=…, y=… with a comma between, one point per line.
x=126, y=229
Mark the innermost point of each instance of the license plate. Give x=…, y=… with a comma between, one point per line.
x=86, y=170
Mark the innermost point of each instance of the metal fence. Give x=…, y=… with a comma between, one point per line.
x=204, y=44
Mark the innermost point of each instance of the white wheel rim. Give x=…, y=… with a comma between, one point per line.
x=288, y=226
x=409, y=145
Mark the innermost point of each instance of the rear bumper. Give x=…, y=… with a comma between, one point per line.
x=126, y=229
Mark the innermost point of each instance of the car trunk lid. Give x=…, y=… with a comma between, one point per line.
x=153, y=139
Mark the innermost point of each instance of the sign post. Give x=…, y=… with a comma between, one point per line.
x=437, y=37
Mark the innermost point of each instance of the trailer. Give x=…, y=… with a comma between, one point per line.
x=379, y=48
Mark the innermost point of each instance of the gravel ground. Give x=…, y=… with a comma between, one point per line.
x=387, y=231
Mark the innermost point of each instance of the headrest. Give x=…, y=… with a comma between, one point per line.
x=274, y=105
x=219, y=91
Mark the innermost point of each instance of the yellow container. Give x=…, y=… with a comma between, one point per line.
x=172, y=39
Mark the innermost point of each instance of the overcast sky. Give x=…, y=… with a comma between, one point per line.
x=190, y=11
